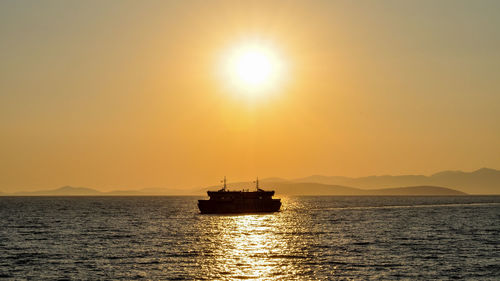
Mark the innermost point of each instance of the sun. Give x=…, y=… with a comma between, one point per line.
x=252, y=69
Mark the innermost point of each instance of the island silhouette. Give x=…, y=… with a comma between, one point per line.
x=482, y=181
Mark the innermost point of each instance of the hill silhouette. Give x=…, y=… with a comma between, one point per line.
x=63, y=191
x=84, y=191
x=292, y=188
x=284, y=188
x=482, y=181
x=415, y=190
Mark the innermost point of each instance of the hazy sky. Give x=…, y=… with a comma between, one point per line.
x=126, y=94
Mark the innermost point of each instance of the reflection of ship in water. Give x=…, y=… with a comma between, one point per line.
x=224, y=201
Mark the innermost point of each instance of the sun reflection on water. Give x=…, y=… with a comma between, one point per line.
x=251, y=247
x=250, y=240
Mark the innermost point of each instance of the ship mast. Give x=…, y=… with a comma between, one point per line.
x=257, y=183
x=224, y=188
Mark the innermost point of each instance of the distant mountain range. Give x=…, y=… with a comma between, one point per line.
x=482, y=181
x=84, y=191
x=284, y=188
x=324, y=189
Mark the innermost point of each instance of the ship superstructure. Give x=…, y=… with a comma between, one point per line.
x=225, y=201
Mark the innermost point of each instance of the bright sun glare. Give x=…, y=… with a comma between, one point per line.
x=252, y=69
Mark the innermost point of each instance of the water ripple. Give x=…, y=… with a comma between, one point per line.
x=312, y=238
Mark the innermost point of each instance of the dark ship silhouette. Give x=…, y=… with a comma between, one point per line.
x=224, y=201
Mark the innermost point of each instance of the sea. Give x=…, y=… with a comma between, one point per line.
x=311, y=238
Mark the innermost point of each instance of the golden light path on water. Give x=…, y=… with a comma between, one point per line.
x=256, y=246
x=250, y=238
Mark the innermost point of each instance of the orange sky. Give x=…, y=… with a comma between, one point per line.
x=126, y=94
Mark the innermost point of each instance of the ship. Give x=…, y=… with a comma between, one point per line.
x=224, y=201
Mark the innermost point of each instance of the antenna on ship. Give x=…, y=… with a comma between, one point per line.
x=224, y=188
x=257, y=183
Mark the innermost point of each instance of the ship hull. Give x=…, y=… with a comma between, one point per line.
x=239, y=206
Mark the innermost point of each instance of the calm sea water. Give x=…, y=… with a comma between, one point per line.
x=312, y=238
